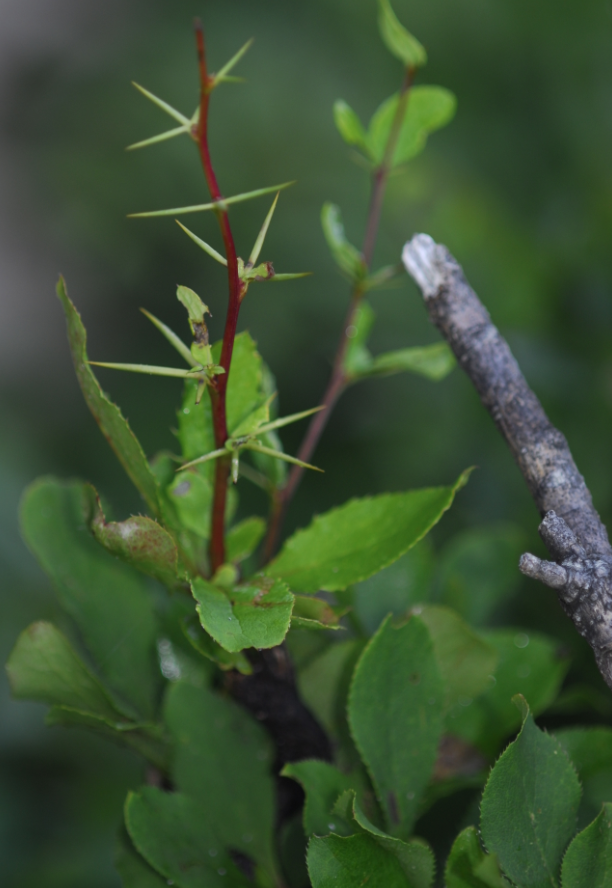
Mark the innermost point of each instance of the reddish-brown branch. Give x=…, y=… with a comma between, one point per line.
x=218, y=394
x=338, y=380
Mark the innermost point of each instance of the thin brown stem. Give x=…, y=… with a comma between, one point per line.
x=339, y=380
x=218, y=392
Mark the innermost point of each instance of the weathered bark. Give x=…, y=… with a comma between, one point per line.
x=581, y=569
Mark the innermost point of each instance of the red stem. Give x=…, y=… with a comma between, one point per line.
x=218, y=392
x=339, y=380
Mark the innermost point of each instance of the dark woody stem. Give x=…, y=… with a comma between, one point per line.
x=219, y=388
x=339, y=380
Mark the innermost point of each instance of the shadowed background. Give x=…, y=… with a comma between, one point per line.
x=519, y=187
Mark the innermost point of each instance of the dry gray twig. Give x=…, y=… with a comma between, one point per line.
x=581, y=569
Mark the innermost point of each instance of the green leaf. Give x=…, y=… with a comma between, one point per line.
x=590, y=750
x=395, y=715
x=107, y=599
x=140, y=542
x=195, y=427
x=398, y=40
x=529, y=805
x=357, y=359
x=465, y=660
x=324, y=683
x=347, y=257
x=176, y=835
x=191, y=494
x=108, y=416
x=44, y=666
x=251, y=423
x=214, y=205
x=196, y=309
x=134, y=870
x=349, y=126
x=205, y=645
x=528, y=665
x=434, y=362
x=468, y=866
x=588, y=860
x=429, y=108
x=222, y=754
x=477, y=571
x=313, y=613
x=354, y=541
x=322, y=783
x=242, y=540
x=255, y=614
x=244, y=385
x=335, y=862
x=395, y=589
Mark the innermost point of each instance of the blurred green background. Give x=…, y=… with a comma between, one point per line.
x=519, y=187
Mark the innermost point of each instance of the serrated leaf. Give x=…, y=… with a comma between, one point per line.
x=108, y=416
x=208, y=647
x=397, y=39
x=310, y=612
x=356, y=540
x=349, y=126
x=429, y=109
x=322, y=783
x=528, y=665
x=242, y=540
x=176, y=835
x=107, y=599
x=588, y=860
x=395, y=714
x=324, y=683
x=590, y=750
x=535, y=780
x=254, y=614
x=335, y=862
x=347, y=257
x=134, y=870
x=44, y=666
x=465, y=660
x=468, y=866
x=222, y=754
x=141, y=542
x=434, y=362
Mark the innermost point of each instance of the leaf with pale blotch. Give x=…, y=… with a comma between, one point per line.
x=313, y=613
x=141, y=542
x=429, y=109
x=468, y=866
x=254, y=614
x=397, y=39
x=529, y=806
x=108, y=416
x=191, y=494
x=108, y=600
x=356, y=540
x=588, y=860
x=177, y=836
x=395, y=715
x=243, y=538
x=349, y=126
x=223, y=754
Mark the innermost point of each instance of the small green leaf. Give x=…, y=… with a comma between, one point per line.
x=253, y=421
x=172, y=338
x=313, y=613
x=468, y=866
x=108, y=416
x=465, y=660
x=214, y=205
x=588, y=860
x=141, y=542
x=347, y=257
x=335, y=862
x=349, y=126
x=398, y=40
x=255, y=614
x=205, y=645
x=223, y=755
x=203, y=245
x=535, y=781
x=242, y=540
x=322, y=783
x=244, y=385
x=176, y=835
x=357, y=359
x=352, y=542
x=395, y=714
x=196, y=309
x=134, y=870
x=429, y=109
x=44, y=666
x=107, y=599
x=434, y=362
